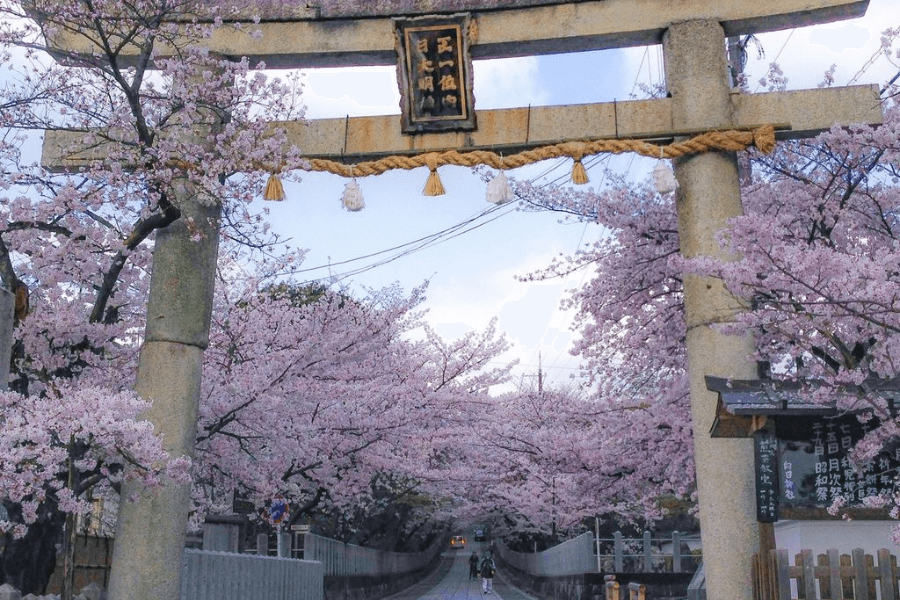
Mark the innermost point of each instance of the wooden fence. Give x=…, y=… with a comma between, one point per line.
x=93, y=556
x=830, y=576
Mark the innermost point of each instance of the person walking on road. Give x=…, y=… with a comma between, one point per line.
x=473, y=566
x=487, y=573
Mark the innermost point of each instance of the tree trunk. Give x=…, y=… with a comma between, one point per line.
x=27, y=563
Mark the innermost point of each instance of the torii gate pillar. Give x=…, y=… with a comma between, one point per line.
x=709, y=195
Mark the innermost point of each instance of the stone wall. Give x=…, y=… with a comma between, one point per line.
x=90, y=592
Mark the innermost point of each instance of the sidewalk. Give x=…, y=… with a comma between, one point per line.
x=505, y=590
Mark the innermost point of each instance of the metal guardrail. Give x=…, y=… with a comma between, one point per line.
x=616, y=555
x=226, y=576
x=645, y=555
x=339, y=558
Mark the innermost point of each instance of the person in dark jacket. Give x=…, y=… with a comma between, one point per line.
x=487, y=573
x=473, y=566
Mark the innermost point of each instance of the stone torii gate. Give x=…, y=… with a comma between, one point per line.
x=361, y=32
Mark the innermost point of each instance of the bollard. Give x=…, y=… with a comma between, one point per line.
x=612, y=588
x=648, y=553
x=262, y=544
x=284, y=544
x=637, y=591
x=676, y=552
x=619, y=546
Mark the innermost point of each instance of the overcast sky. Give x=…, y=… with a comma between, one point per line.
x=472, y=274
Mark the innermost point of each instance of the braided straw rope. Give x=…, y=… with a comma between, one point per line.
x=730, y=140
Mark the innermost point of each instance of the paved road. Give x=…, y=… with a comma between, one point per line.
x=451, y=581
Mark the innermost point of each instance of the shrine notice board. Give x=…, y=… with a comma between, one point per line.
x=803, y=465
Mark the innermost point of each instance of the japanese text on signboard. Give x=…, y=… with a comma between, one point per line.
x=816, y=468
x=436, y=94
x=766, y=450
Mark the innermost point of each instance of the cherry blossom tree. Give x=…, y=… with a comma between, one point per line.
x=306, y=400
x=819, y=271
x=81, y=240
x=316, y=397
x=817, y=250
x=57, y=447
x=629, y=432
x=280, y=416
x=309, y=400
x=77, y=244
x=548, y=460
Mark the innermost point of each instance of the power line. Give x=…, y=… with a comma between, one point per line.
x=480, y=219
x=777, y=56
x=889, y=83
x=644, y=56
x=446, y=234
x=416, y=245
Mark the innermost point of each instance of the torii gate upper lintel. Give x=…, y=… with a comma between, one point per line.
x=334, y=33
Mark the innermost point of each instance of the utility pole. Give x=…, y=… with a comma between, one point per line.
x=540, y=377
x=7, y=319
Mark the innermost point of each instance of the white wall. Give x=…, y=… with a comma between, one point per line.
x=819, y=536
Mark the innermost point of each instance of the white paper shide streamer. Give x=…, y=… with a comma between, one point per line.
x=664, y=177
x=352, y=199
x=498, y=190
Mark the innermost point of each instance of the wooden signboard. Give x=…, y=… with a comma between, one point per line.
x=765, y=446
x=435, y=72
x=809, y=459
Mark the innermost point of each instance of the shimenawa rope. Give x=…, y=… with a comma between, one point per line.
x=763, y=138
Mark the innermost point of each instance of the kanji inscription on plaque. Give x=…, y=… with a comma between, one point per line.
x=435, y=74
x=815, y=462
x=766, y=450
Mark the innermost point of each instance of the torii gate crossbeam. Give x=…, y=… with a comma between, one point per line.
x=798, y=114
